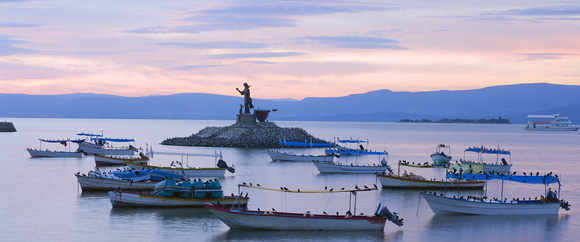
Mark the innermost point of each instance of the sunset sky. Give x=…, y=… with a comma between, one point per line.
x=284, y=48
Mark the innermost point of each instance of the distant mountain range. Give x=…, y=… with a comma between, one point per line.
x=513, y=102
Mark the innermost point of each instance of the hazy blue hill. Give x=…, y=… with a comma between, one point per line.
x=514, y=102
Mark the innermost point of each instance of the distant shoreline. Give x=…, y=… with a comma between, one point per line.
x=498, y=120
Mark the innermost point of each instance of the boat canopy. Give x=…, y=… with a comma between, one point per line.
x=351, y=141
x=488, y=150
x=90, y=135
x=305, y=144
x=547, y=179
x=544, y=116
x=61, y=140
x=112, y=140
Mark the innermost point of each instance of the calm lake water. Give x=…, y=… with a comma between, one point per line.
x=42, y=201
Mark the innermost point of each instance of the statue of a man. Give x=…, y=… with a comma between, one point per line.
x=247, y=98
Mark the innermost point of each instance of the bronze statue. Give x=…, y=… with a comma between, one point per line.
x=247, y=98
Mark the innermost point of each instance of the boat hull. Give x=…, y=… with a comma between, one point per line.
x=446, y=205
x=102, y=160
x=440, y=159
x=282, y=156
x=103, y=184
x=47, y=153
x=134, y=199
x=92, y=149
x=548, y=128
x=393, y=181
x=188, y=172
x=257, y=220
x=331, y=167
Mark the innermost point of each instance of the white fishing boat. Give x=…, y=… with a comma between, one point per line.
x=550, y=123
x=285, y=156
x=439, y=157
x=415, y=181
x=237, y=218
x=192, y=172
x=342, y=150
x=550, y=204
x=54, y=153
x=127, y=179
x=105, y=160
x=334, y=167
x=499, y=166
x=169, y=194
x=99, y=145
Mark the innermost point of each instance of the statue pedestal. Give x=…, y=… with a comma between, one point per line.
x=246, y=119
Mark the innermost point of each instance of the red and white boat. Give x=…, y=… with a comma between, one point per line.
x=237, y=218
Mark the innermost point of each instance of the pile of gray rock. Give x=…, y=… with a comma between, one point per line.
x=259, y=135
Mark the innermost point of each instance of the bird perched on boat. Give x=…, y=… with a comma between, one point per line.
x=251, y=184
x=243, y=183
x=257, y=184
x=247, y=194
x=525, y=174
x=325, y=188
x=342, y=189
x=366, y=187
x=324, y=213
x=336, y=213
x=232, y=194
x=298, y=189
x=537, y=173
x=273, y=209
x=375, y=186
x=356, y=187
x=258, y=209
x=331, y=189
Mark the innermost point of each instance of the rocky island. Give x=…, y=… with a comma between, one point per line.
x=246, y=132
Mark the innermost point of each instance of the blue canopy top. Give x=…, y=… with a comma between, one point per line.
x=547, y=179
x=351, y=141
x=113, y=140
x=488, y=150
x=305, y=144
x=92, y=135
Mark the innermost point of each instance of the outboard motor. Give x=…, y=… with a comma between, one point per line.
x=222, y=164
x=551, y=196
x=383, y=211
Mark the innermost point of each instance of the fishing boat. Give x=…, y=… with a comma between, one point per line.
x=550, y=123
x=237, y=218
x=53, y=153
x=169, y=193
x=342, y=150
x=105, y=160
x=415, y=181
x=192, y=172
x=127, y=179
x=285, y=156
x=334, y=167
x=97, y=144
x=548, y=204
x=500, y=166
x=439, y=157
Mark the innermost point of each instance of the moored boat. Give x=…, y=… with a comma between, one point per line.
x=104, y=160
x=550, y=204
x=169, y=193
x=53, y=153
x=334, y=167
x=237, y=218
x=97, y=144
x=500, y=166
x=128, y=179
x=415, y=181
x=192, y=172
x=285, y=156
x=439, y=157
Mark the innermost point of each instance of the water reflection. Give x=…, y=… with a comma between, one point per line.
x=247, y=235
x=523, y=227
